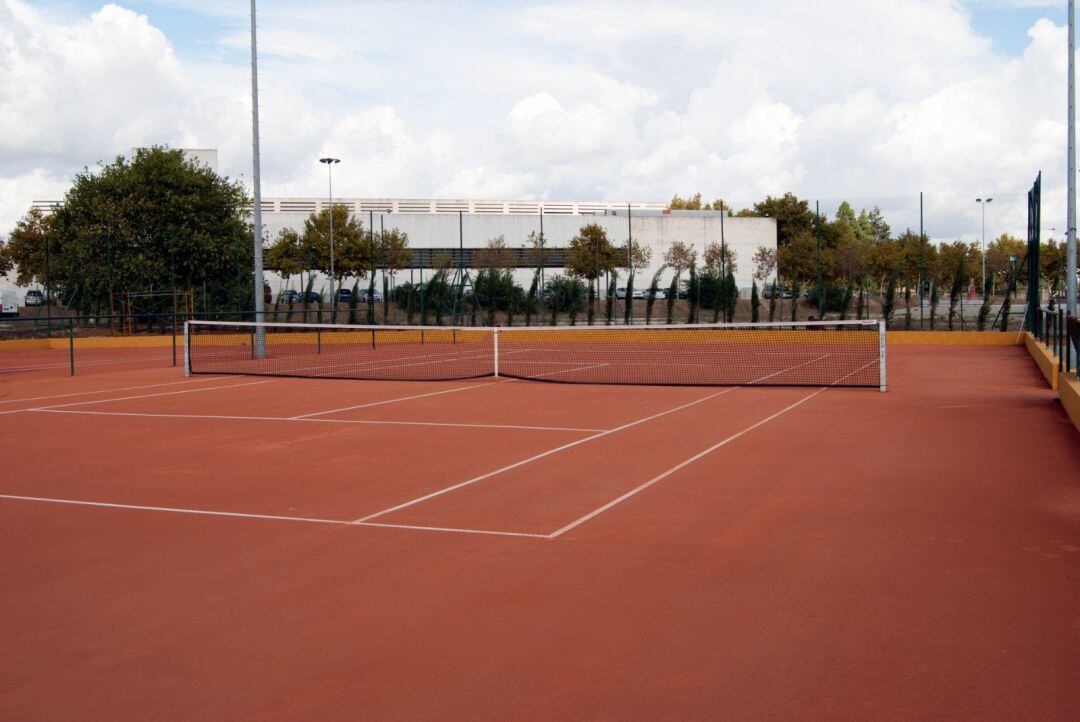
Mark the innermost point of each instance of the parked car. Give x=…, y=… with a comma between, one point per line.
x=781, y=292
x=371, y=295
x=289, y=296
x=344, y=295
x=620, y=293
x=34, y=297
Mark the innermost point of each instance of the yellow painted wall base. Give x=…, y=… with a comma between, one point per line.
x=1066, y=384
x=93, y=342
x=1070, y=397
x=1044, y=359
x=954, y=338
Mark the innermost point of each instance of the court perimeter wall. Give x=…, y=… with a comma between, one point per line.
x=1066, y=384
x=928, y=338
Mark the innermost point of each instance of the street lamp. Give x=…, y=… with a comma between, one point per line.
x=333, y=279
x=983, y=203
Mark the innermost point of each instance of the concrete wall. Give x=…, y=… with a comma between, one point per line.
x=658, y=231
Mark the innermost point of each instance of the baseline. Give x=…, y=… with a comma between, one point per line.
x=370, y=422
x=262, y=517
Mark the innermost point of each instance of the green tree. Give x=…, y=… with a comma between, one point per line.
x=1052, y=265
x=352, y=246
x=589, y=255
x=678, y=257
x=156, y=222
x=999, y=264
x=792, y=215
x=565, y=295
x=635, y=257
x=283, y=257
x=650, y=299
x=25, y=249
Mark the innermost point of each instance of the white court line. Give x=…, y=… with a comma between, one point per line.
x=454, y=530
x=147, y=396
x=392, y=401
x=389, y=363
x=437, y=357
x=564, y=447
x=660, y=477
x=109, y=391
x=371, y=422
x=262, y=517
x=600, y=510
x=537, y=457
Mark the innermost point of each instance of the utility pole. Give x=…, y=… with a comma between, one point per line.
x=983, y=203
x=1070, y=244
x=922, y=260
x=333, y=277
x=256, y=177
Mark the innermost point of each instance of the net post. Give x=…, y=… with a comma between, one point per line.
x=318, y=340
x=187, y=348
x=881, y=351
x=496, y=350
x=373, y=337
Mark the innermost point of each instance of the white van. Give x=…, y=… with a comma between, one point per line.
x=10, y=300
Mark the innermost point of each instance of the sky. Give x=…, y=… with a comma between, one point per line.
x=870, y=101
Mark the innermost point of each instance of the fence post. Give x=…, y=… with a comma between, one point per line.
x=1062, y=341
x=71, y=345
x=496, y=349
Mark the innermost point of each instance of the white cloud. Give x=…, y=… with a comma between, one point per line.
x=870, y=100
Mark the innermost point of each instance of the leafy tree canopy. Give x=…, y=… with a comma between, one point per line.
x=591, y=254
x=156, y=222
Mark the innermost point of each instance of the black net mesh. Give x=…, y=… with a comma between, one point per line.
x=826, y=354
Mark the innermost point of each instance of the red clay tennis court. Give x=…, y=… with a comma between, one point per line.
x=222, y=546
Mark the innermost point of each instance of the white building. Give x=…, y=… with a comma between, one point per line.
x=434, y=225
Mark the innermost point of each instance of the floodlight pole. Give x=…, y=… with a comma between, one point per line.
x=1070, y=243
x=543, y=263
x=922, y=259
x=983, y=202
x=630, y=267
x=333, y=278
x=256, y=176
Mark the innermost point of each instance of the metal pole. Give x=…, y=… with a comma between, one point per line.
x=922, y=259
x=1070, y=244
x=333, y=275
x=256, y=176
x=371, y=279
x=723, y=265
x=630, y=267
x=817, y=260
x=461, y=268
x=382, y=257
x=983, y=247
x=543, y=263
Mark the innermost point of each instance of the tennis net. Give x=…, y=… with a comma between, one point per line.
x=830, y=353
